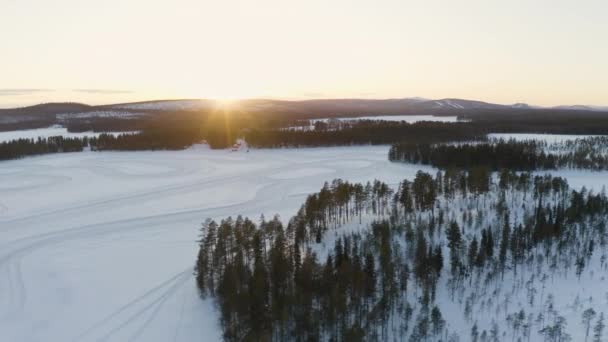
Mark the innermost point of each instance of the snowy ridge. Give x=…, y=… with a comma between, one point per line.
x=167, y=105
x=99, y=114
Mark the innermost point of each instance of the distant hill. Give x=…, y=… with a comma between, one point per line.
x=47, y=108
x=59, y=113
x=584, y=107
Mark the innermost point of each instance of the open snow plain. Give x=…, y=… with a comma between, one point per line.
x=101, y=246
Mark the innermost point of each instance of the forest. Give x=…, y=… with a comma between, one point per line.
x=585, y=153
x=28, y=147
x=221, y=129
x=220, y=134
x=367, y=262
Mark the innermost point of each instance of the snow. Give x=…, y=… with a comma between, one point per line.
x=595, y=180
x=48, y=132
x=101, y=245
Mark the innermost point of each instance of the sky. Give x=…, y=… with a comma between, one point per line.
x=542, y=52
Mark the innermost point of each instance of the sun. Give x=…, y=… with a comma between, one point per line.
x=228, y=101
x=225, y=103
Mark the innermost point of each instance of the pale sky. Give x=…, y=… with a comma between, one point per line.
x=543, y=52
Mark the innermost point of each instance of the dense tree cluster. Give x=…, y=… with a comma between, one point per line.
x=587, y=153
x=418, y=142
x=337, y=204
x=377, y=275
x=219, y=132
x=510, y=154
x=363, y=133
x=148, y=140
x=269, y=288
x=27, y=147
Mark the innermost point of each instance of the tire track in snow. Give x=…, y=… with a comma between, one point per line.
x=30, y=244
x=262, y=198
x=154, y=193
x=177, y=280
x=181, y=317
x=170, y=292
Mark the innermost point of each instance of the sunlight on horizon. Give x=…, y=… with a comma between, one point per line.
x=545, y=52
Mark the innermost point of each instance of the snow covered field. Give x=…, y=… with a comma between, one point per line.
x=45, y=133
x=77, y=229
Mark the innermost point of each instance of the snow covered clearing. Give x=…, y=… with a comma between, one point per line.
x=76, y=228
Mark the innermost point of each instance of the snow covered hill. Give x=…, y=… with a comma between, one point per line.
x=53, y=113
x=167, y=105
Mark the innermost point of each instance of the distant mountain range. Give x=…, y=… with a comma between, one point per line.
x=55, y=113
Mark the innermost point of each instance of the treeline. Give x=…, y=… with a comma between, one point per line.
x=274, y=282
x=365, y=132
x=28, y=147
x=147, y=140
x=501, y=154
x=587, y=153
x=418, y=142
x=221, y=131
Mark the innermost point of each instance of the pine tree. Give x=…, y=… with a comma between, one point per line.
x=437, y=260
x=405, y=197
x=588, y=316
x=437, y=321
x=489, y=253
x=259, y=293
x=598, y=329
x=370, y=276
x=473, y=252
x=504, y=243
x=421, y=262
x=474, y=333
x=454, y=243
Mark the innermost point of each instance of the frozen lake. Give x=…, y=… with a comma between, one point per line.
x=399, y=118
x=101, y=245
x=45, y=133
